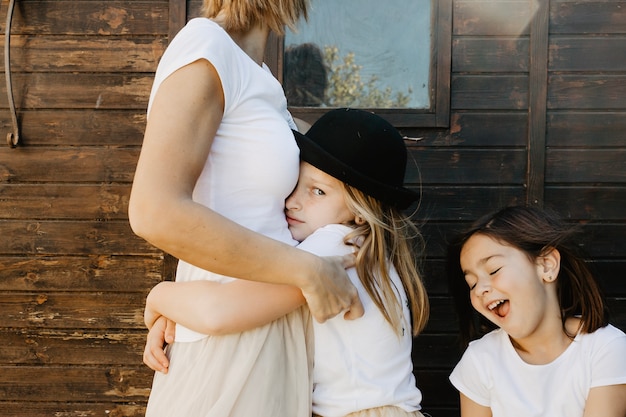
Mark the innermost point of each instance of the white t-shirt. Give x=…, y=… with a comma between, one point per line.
x=492, y=374
x=253, y=163
x=363, y=363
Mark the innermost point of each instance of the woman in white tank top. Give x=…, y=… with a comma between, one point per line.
x=217, y=162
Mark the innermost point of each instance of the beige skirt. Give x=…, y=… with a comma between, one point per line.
x=262, y=372
x=388, y=411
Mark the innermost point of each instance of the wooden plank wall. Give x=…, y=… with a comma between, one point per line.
x=537, y=114
x=73, y=275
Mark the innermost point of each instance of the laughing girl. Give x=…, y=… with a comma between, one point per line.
x=551, y=351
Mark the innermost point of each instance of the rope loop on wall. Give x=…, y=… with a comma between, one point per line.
x=13, y=138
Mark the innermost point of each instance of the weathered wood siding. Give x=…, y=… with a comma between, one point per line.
x=538, y=114
x=73, y=277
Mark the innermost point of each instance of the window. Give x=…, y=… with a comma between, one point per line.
x=389, y=57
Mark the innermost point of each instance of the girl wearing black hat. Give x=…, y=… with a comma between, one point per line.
x=217, y=161
x=348, y=199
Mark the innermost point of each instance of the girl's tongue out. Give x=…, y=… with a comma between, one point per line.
x=502, y=308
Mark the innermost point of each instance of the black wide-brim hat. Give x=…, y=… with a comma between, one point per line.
x=362, y=150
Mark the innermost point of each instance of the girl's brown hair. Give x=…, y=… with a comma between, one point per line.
x=385, y=236
x=241, y=15
x=535, y=232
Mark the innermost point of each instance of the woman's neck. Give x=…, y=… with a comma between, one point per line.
x=252, y=42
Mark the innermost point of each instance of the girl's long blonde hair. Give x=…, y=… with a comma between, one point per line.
x=387, y=236
x=241, y=15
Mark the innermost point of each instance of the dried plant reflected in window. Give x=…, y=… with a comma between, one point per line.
x=360, y=53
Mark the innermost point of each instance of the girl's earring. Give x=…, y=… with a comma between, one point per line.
x=359, y=220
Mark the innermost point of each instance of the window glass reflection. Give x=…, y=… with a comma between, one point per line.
x=360, y=53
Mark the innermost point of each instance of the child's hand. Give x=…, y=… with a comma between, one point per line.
x=160, y=334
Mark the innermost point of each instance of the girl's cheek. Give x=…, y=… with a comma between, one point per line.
x=475, y=303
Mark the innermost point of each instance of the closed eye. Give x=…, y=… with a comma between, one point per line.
x=471, y=285
x=495, y=272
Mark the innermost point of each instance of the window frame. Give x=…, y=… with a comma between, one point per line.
x=438, y=115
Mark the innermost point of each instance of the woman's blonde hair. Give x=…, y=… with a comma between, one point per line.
x=241, y=15
x=385, y=236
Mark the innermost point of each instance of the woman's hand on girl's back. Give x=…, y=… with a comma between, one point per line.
x=333, y=292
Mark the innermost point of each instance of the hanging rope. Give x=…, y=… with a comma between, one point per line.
x=13, y=138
